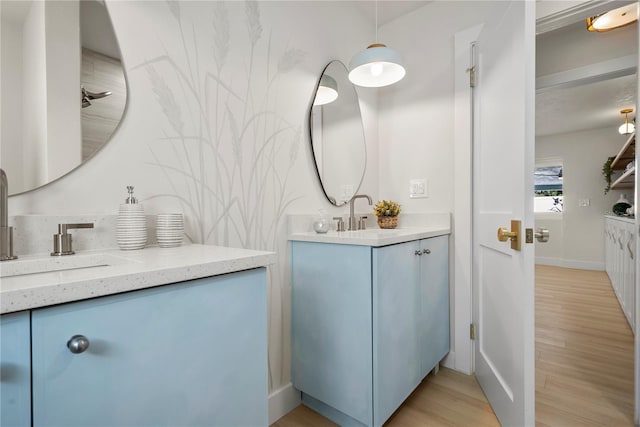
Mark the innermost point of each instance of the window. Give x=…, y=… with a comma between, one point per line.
x=548, y=189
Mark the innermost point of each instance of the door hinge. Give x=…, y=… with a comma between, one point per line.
x=472, y=331
x=472, y=76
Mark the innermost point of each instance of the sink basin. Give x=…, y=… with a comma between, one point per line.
x=23, y=267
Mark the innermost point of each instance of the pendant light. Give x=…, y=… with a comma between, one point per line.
x=613, y=19
x=377, y=65
x=626, y=128
x=327, y=90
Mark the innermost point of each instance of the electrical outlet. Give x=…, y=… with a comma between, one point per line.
x=418, y=188
x=583, y=203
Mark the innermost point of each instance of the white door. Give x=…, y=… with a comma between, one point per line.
x=503, y=144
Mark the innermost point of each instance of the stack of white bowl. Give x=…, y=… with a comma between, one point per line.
x=169, y=229
x=131, y=229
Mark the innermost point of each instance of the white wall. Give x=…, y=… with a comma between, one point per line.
x=216, y=126
x=417, y=120
x=577, y=239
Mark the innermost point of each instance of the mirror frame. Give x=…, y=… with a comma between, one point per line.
x=310, y=128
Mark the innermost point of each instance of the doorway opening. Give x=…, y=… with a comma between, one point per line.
x=584, y=338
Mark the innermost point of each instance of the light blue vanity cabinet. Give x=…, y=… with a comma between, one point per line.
x=368, y=324
x=191, y=353
x=15, y=370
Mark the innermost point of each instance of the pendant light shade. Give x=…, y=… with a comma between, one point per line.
x=327, y=90
x=626, y=128
x=376, y=66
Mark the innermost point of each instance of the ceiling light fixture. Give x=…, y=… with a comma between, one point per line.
x=377, y=65
x=613, y=19
x=626, y=128
x=327, y=90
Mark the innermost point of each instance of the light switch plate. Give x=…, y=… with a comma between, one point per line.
x=583, y=203
x=418, y=188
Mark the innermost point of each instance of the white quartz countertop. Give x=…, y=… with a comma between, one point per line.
x=114, y=271
x=372, y=237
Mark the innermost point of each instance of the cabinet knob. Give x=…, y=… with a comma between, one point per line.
x=418, y=252
x=78, y=344
x=426, y=251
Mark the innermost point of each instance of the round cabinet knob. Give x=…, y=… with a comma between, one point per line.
x=78, y=344
x=418, y=252
x=426, y=251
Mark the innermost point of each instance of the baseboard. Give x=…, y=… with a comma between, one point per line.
x=282, y=401
x=570, y=263
x=449, y=360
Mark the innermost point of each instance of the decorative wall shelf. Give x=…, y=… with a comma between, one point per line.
x=622, y=159
x=626, y=180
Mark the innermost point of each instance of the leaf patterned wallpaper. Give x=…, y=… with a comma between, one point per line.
x=228, y=152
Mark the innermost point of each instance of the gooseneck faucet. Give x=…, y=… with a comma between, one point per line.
x=353, y=224
x=6, y=232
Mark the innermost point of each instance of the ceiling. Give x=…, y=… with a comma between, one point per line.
x=388, y=10
x=592, y=106
x=589, y=106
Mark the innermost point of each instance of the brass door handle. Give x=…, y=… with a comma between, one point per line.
x=504, y=234
x=514, y=235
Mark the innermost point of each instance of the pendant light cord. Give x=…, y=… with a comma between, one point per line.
x=376, y=21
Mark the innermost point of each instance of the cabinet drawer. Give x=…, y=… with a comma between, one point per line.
x=192, y=353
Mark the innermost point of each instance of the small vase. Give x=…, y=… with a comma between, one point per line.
x=321, y=224
x=387, y=221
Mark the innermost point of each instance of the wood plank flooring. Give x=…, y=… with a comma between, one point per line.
x=446, y=399
x=584, y=365
x=584, y=351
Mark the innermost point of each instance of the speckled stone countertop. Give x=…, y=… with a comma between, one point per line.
x=372, y=237
x=90, y=274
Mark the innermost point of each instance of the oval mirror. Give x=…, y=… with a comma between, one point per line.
x=63, y=87
x=337, y=135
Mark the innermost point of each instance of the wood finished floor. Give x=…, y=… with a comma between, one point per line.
x=584, y=351
x=584, y=365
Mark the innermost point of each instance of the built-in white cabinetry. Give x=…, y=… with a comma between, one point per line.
x=620, y=241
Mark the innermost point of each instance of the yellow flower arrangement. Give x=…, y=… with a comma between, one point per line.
x=386, y=208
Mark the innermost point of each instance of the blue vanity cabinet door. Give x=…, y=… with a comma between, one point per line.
x=396, y=326
x=187, y=354
x=15, y=369
x=434, y=289
x=331, y=329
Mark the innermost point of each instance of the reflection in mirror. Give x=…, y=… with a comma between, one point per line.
x=337, y=135
x=63, y=87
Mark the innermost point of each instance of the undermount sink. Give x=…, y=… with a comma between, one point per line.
x=23, y=267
